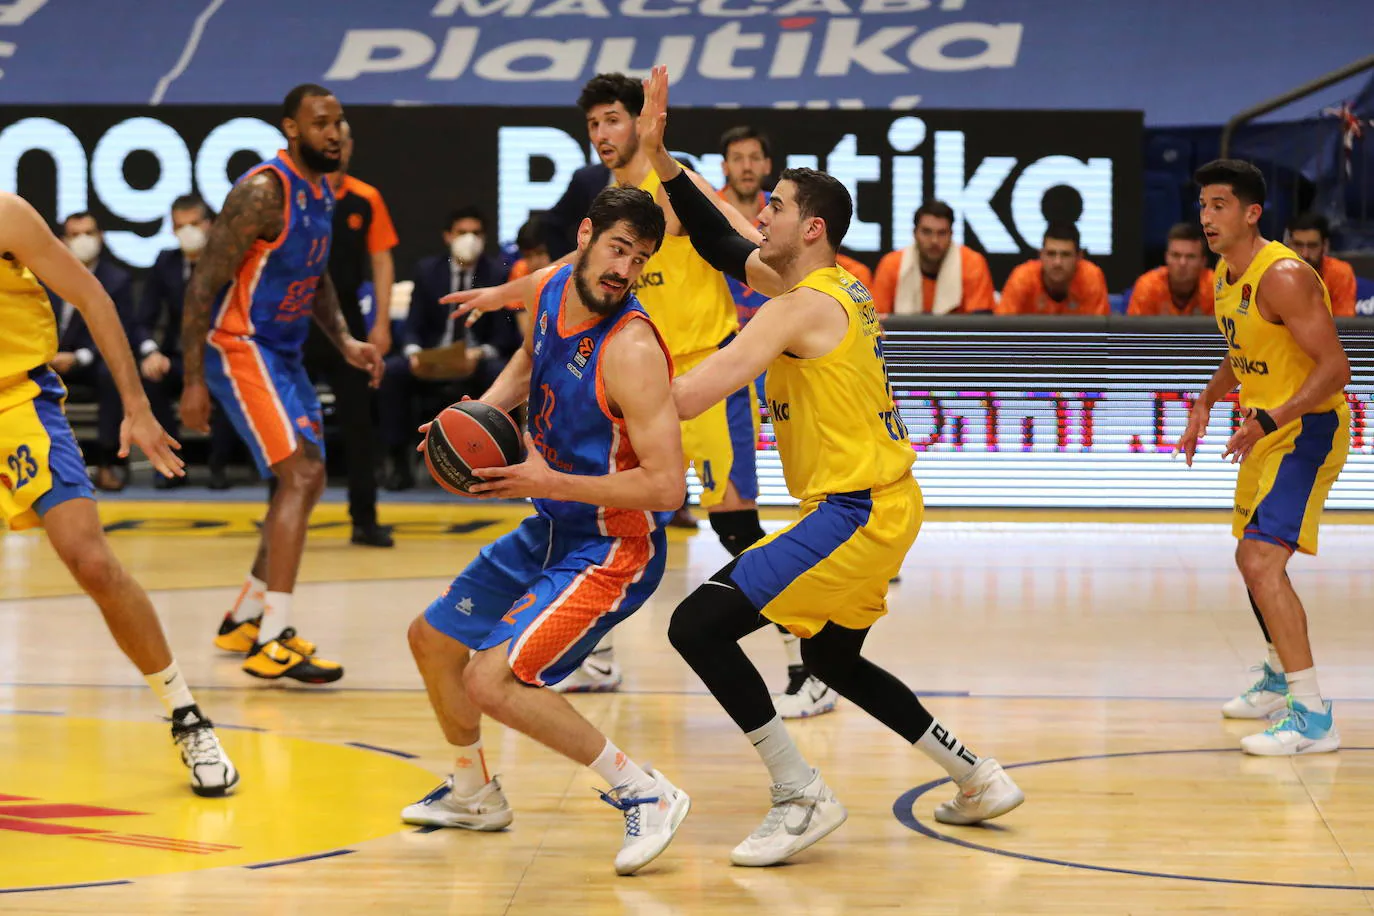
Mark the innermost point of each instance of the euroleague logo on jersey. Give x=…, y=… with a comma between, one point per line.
x=585, y=347
x=1244, y=300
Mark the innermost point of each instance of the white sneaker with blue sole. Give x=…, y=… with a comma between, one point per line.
x=1264, y=698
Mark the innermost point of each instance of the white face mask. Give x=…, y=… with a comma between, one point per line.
x=466, y=248
x=85, y=247
x=191, y=238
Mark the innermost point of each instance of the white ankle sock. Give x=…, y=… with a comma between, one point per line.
x=1275, y=665
x=1302, y=686
x=948, y=751
x=791, y=644
x=619, y=770
x=249, y=603
x=469, y=769
x=786, y=766
x=276, y=615
x=171, y=688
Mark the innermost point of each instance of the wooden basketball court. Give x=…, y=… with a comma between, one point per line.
x=1089, y=653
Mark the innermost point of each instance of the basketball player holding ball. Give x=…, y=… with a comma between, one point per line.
x=604, y=468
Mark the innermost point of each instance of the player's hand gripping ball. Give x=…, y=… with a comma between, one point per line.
x=467, y=435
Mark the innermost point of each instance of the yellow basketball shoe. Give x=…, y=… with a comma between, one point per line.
x=237, y=636
x=275, y=659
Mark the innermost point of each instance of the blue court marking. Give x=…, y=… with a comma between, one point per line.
x=298, y=859
x=60, y=887
x=902, y=809
x=383, y=750
x=31, y=712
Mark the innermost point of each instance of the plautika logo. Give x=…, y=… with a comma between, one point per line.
x=759, y=39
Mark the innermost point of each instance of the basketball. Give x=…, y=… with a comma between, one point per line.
x=467, y=435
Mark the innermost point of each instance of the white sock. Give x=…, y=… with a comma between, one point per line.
x=786, y=766
x=1302, y=686
x=948, y=751
x=276, y=615
x=1275, y=665
x=171, y=688
x=619, y=770
x=249, y=603
x=469, y=768
x=791, y=643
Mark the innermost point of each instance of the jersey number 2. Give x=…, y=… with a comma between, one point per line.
x=1229, y=329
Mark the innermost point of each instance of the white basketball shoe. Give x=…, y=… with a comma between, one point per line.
x=1265, y=697
x=212, y=773
x=486, y=809
x=806, y=696
x=799, y=817
x=599, y=673
x=651, y=819
x=985, y=793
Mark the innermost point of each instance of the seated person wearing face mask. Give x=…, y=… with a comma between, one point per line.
x=155, y=334
x=78, y=361
x=440, y=359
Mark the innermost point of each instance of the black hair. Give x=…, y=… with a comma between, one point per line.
x=79, y=214
x=530, y=236
x=193, y=201
x=291, y=105
x=609, y=88
x=1309, y=221
x=936, y=208
x=1063, y=231
x=742, y=133
x=1245, y=179
x=468, y=212
x=630, y=205
x=822, y=196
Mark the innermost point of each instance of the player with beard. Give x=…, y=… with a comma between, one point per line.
x=262, y=277
x=847, y=457
x=604, y=468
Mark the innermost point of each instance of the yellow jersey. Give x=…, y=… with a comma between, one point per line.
x=688, y=299
x=29, y=337
x=1269, y=364
x=837, y=426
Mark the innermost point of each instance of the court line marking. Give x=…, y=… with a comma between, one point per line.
x=903, y=809
x=61, y=887
x=404, y=755
x=298, y=859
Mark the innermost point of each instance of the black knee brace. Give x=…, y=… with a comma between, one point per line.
x=737, y=530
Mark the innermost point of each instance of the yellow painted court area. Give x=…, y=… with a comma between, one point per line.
x=90, y=800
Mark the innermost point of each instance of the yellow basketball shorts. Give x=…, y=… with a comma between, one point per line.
x=40, y=462
x=719, y=444
x=833, y=564
x=1283, y=482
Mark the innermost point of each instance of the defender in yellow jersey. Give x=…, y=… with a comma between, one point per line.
x=1284, y=354
x=847, y=457
x=43, y=476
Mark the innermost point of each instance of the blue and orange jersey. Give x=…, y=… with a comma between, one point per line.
x=747, y=300
x=570, y=419
x=272, y=295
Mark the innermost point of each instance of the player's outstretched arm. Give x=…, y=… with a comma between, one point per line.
x=476, y=302
x=766, y=337
x=635, y=372
x=24, y=233
x=719, y=233
x=1291, y=291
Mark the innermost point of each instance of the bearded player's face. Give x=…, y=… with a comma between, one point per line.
x=608, y=266
x=317, y=133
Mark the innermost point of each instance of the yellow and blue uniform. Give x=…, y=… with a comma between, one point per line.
x=1283, y=482
x=40, y=462
x=253, y=363
x=847, y=456
x=690, y=303
x=553, y=587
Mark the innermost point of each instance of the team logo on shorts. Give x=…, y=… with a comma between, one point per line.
x=1244, y=300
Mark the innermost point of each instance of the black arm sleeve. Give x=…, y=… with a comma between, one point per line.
x=712, y=235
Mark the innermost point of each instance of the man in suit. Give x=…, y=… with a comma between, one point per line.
x=78, y=360
x=440, y=359
x=560, y=223
x=155, y=333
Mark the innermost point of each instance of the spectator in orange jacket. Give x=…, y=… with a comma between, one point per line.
x=858, y=269
x=1309, y=234
x=933, y=275
x=1060, y=282
x=1183, y=286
